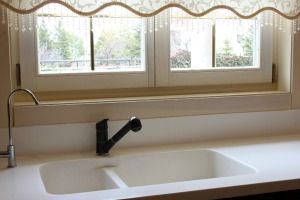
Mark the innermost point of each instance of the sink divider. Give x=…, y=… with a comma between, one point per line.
x=114, y=177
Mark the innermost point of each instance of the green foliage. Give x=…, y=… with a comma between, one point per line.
x=182, y=59
x=69, y=45
x=225, y=58
x=134, y=44
x=59, y=47
x=227, y=49
x=247, y=43
x=45, y=39
x=118, y=43
x=59, y=43
x=234, y=61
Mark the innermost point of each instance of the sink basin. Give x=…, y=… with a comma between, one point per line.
x=138, y=170
x=178, y=166
x=79, y=176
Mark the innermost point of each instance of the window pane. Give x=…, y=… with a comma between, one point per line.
x=235, y=43
x=190, y=42
x=205, y=43
x=60, y=48
x=118, y=44
x=64, y=41
x=180, y=42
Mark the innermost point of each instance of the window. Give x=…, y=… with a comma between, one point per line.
x=126, y=51
x=79, y=53
x=212, y=52
x=97, y=45
x=279, y=98
x=204, y=44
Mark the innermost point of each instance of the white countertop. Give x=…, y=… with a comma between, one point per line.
x=276, y=159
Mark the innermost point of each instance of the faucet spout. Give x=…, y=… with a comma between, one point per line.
x=10, y=153
x=9, y=108
x=103, y=144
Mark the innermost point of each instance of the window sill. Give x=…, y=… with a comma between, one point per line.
x=68, y=112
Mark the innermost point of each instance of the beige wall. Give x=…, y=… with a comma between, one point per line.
x=5, y=86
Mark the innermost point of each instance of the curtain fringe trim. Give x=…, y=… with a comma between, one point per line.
x=151, y=14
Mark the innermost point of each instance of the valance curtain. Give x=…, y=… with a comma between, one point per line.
x=289, y=9
x=245, y=9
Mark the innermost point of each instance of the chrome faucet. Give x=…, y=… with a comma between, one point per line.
x=103, y=145
x=10, y=153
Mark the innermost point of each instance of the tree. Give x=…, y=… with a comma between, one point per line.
x=133, y=43
x=108, y=45
x=247, y=43
x=47, y=50
x=57, y=44
x=118, y=43
x=69, y=45
x=227, y=49
x=45, y=36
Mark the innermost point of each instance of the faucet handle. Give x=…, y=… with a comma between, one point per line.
x=101, y=136
x=102, y=125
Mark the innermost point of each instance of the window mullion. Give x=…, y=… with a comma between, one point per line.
x=92, y=44
x=162, y=56
x=150, y=54
x=213, y=45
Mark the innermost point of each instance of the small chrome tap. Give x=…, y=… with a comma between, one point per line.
x=10, y=153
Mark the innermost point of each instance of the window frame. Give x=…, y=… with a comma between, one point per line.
x=34, y=81
x=157, y=74
x=217, y=76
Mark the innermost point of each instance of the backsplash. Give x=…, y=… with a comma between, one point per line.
x=81, y=137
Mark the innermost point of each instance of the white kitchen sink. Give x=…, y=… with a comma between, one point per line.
x=138, y=170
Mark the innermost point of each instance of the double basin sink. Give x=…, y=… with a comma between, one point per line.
x=106, y=173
